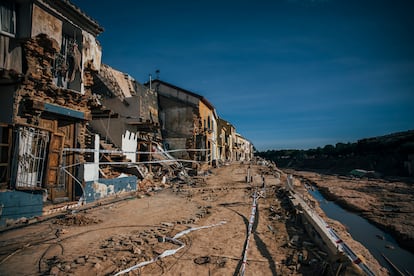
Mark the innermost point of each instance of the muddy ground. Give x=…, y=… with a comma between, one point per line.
x=111, y=237
x=386, y=203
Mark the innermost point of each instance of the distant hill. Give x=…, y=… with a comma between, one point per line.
x=389, y=155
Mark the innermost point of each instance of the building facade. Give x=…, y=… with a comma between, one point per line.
x=48, y=51
x=242, y=149
x=226, y=140
x=133, y=120
x=188, y=122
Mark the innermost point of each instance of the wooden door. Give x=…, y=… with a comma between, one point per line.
x=53, y=166
x=54, y=159
x=67, y=129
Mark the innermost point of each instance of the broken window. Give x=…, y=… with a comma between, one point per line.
x=67, y=65
x=7, y=18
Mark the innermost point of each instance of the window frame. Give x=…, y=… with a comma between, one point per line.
x=12, y=6
x=63, y=55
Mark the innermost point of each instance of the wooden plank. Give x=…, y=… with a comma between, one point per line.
x=57, y=109
x=50, y=125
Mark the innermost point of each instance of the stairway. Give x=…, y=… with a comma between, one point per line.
x=109, y=153
x=113, y=154
x=107, y=78
x=114, y=158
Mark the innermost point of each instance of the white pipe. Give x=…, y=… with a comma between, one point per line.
x=169, y=252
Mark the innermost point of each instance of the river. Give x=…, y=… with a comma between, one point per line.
x=368, y=234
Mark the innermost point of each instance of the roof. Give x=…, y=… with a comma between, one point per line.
x=71, y=10
x=201, y=98
x=115, y=83
x=226, y=122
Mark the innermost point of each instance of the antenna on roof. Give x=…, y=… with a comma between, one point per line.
x=157, y=72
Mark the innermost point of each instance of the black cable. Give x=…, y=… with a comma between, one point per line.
x=75, y=235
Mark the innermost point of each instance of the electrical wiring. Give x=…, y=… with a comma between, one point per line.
x=170, y=252
x=70, y=237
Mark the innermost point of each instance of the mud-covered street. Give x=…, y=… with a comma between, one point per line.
x=109, y=238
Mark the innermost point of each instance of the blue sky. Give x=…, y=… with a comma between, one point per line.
x=286, y=73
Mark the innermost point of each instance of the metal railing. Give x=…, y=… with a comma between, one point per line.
x=31, y=156
x=328, y=231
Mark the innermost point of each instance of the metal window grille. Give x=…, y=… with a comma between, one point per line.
x=32, y=148
x=61, y=64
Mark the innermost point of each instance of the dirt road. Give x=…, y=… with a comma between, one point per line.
x=109, y=238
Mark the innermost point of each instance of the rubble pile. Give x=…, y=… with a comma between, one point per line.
x=77, y=219
x=115, y=253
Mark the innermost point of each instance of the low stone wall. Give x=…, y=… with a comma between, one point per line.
x=95, y=190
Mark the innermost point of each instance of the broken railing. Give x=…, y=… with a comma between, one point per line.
x=328, y=231
x=169, y=159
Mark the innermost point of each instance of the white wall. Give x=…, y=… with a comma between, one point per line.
x=130, y=143
x=91, y=171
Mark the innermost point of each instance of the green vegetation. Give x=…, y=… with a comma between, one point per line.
x=389, y=155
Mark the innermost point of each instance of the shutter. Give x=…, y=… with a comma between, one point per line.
x=54, y=159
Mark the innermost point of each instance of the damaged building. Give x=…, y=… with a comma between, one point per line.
x=188, y=123
x=242, y=148
x=225, y=140
x=74, y=130
x=48, y=51
x=127, y=121
x=192, y=129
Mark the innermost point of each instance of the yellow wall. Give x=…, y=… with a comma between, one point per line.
x=206, y=114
